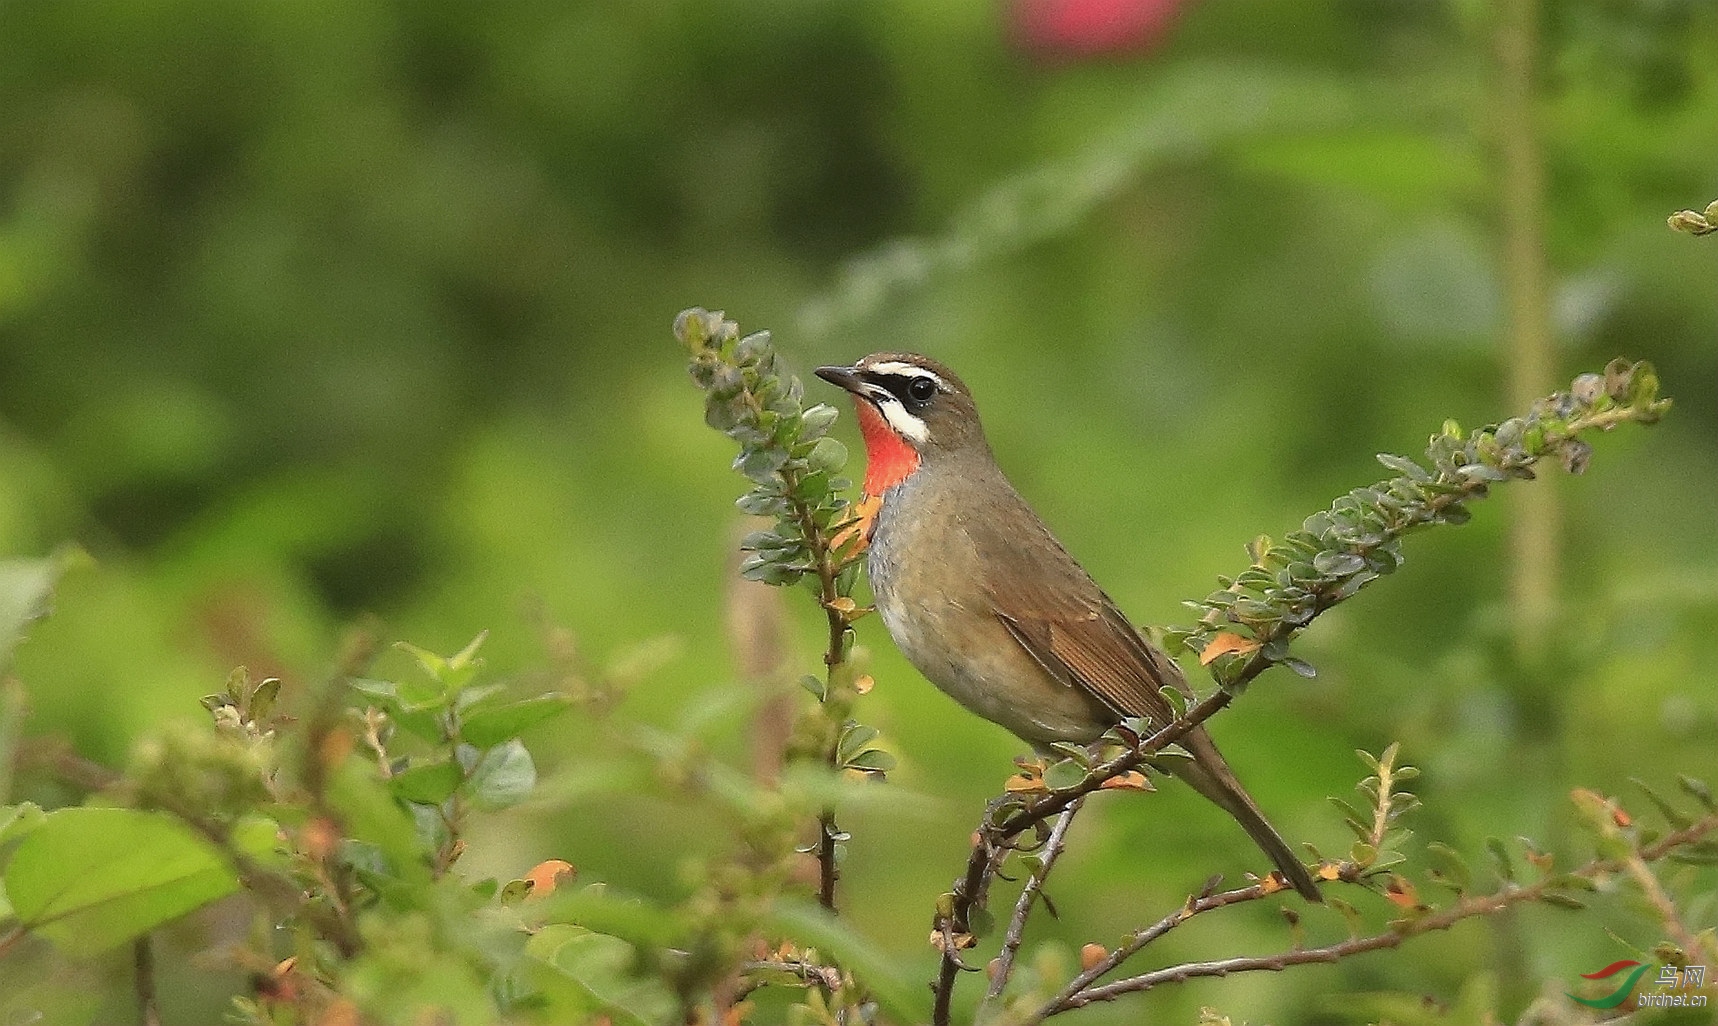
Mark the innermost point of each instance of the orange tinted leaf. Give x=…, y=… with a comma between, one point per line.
x=857, y=529
x=545, y=876
x=1020, y=783
x=1132, y=780
x=1224, y=643
x=1401, y=893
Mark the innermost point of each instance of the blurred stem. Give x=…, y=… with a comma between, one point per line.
x=12, y=711
x=143, y=971
x=1535, y=530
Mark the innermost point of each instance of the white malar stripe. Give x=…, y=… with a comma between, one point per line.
x=908, y=370
x=904, y=424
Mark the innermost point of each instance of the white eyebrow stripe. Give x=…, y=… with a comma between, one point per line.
x=908, y=370
x=904, y=424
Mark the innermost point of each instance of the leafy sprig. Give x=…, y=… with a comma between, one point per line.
x=1246, y=625
x=794, y=467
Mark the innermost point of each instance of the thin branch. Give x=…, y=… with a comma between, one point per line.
x=811, y=974
x=828, y=871
x=1016, y=932
x=828, y=569
x=1661, y=903
x=1399, y=930
x=1139, y=939
x=995, y=839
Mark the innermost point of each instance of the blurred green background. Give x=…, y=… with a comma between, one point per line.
x=310, y=310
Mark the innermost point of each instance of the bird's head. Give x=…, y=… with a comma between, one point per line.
x=912, y=410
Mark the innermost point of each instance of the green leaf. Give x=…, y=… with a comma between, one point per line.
x=467, y=656
x=902, y=999
x=18, y=820
x=432, y=664
x=1065, y=773
x=1338, y=564
x=874, y=759
x=1699, y=791
x=384, y=690
x=430, y=783
x=980, y=922
x=1448, y=864
x=503, y=777
x=370, y=814
x=89, y=879
x=827, y=456
x=1350, y=914
x=629, y=918
x=1500, y=858
x=1674, y=816
x=26, y=586
x=592, y=973
x=494, y=724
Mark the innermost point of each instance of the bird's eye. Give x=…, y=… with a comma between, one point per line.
x=922, y=389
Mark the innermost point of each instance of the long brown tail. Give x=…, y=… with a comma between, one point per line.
x=1211, y=776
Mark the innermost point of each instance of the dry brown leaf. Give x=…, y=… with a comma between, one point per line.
x=1224, y=643
x=1132, y=780
x=1401, y=893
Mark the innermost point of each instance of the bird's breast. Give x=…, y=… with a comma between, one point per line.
x=928, y=578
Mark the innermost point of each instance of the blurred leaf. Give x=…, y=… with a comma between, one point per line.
x=902, y=998
x=597, y=908
x=370, y=814
x=503, y=777
x=18, y=820
x=490, y=725
x=26, y=587
x=91, y=878
x=428, y=782
x=598, y=968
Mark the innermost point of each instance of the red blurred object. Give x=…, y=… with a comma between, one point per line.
x=1091, y=28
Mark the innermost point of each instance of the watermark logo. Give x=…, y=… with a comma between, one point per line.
x=1677, y=986
x=1635, y=971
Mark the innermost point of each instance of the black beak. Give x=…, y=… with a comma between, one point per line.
x=842, y=377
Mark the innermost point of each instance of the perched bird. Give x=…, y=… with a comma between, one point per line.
x=988, y=605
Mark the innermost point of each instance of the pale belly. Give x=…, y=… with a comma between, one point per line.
x=967, y=652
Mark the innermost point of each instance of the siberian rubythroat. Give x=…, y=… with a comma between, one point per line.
x=985, y=602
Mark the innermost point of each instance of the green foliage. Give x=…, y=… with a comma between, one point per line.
x=1358, y=539
x=92, y=878
x=785, y=451
x=305, y=316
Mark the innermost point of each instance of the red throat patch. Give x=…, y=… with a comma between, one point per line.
x=889, y=460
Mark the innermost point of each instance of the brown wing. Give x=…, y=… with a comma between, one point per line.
x=1068, y=625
